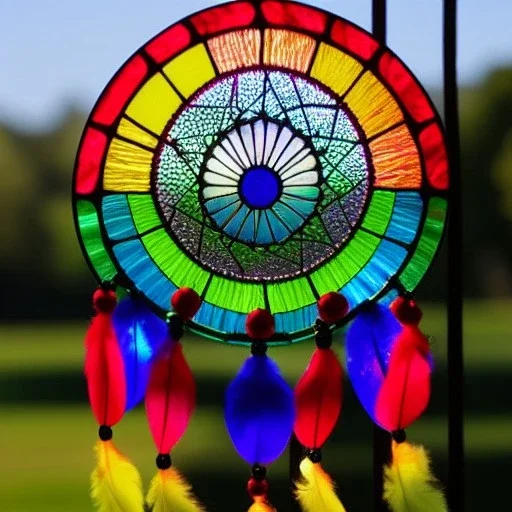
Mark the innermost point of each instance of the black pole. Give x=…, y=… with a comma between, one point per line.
x=456, y=487
x=381, y=438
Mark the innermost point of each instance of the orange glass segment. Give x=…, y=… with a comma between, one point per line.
x=373, y=105
x=396, y=160
x=236, y=50
x=288, y=49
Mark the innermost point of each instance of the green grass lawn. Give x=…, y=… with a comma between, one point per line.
x=47, y=430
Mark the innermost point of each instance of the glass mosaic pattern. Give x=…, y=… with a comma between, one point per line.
x=263, y=153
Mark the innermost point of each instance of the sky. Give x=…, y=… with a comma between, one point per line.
x=58, y=53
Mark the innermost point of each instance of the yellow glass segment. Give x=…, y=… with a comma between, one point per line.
x=286, y=296
x=335, y=69
x=134, y=133
x=173, y=262
x=154, y=104
x=236, y=50
x=190, y=70
x=235, y=296
x=396, y=159
x=127, y=167
x=288, y=49
x=373, y=105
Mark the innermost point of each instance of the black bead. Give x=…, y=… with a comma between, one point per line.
x=108, y=285
x=314, y=455
x=175, y=326
x=399, y=436
x=323, y=334
x=258, y=472
x=258, y=348
x=105, y=433
x=163, y=461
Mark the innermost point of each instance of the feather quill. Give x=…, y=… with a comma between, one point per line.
x=409, y=485
x=315, y=492
x=170, y=492
x=115, y=482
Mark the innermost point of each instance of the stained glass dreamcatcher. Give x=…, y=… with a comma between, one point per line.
x=259, y=173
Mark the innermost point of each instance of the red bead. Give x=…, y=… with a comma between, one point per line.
x=260, y=324
x=332, y=307
x=257, y=487
x=186, y=302
x=104, y=301
x=406, y=311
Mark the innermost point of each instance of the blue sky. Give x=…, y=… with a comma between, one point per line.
x=54, y=53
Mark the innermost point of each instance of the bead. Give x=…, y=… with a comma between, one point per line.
x=260, y=324
x=323, y=335
x=257, y=487
x=163, y=461
x=105, y=433
x=258, y=348
x=406, y=311
x=104, y=301
x=314, y=455
x=399, y=436
x=258, y=472
x=175, y=326
x=186, y=302
x=332, y=307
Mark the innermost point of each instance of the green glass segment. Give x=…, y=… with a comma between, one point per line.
x=173, y=262
x=290, y=295
x=379, y=211
x=342, y=268
x=143, y=210
x=427, y=245
x=90, y=232
x=234, y=295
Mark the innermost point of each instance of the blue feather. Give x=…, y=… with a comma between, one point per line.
x=368, y=345
x=259, y=411
x=141, y=334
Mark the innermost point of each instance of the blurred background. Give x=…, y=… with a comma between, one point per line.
x=55, y=59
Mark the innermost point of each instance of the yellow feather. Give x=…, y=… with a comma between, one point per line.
x=315, y=492
x=115, y=482
x=170, y=492
x=409, y=485
x=261, y=505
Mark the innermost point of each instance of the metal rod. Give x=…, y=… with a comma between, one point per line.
x=456, y=480
x=381, y=439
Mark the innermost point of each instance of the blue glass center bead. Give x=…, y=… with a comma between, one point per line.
x=260, y=187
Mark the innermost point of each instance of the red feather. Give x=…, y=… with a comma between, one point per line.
x=104, y=371
x=318, y=399
x=170, y=398
x=405, y=393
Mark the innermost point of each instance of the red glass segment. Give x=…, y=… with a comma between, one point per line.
x=402, y=82
x=120, y=90
x=353, y=39
x=91, y=155
x=288, y=14
x=318, y=399
x=436, y=159
x=168, y=43
x=233, y=15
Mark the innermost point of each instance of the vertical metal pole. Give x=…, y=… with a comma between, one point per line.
x=381, y=438
x=456, y=487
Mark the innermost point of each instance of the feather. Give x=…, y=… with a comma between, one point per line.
x=115, y=482
x=104, y=371
x=409, y=485
x=318, y=398
x=315, y=492
x=261, y=505
x=170, y=492
x=405, y=393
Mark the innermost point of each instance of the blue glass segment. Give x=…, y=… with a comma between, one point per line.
x=259, y=411
x=406, y=216
x=141, y=335
x=260, y=187
x=117, y=217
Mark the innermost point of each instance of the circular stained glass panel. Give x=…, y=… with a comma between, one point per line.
x=263, y=153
